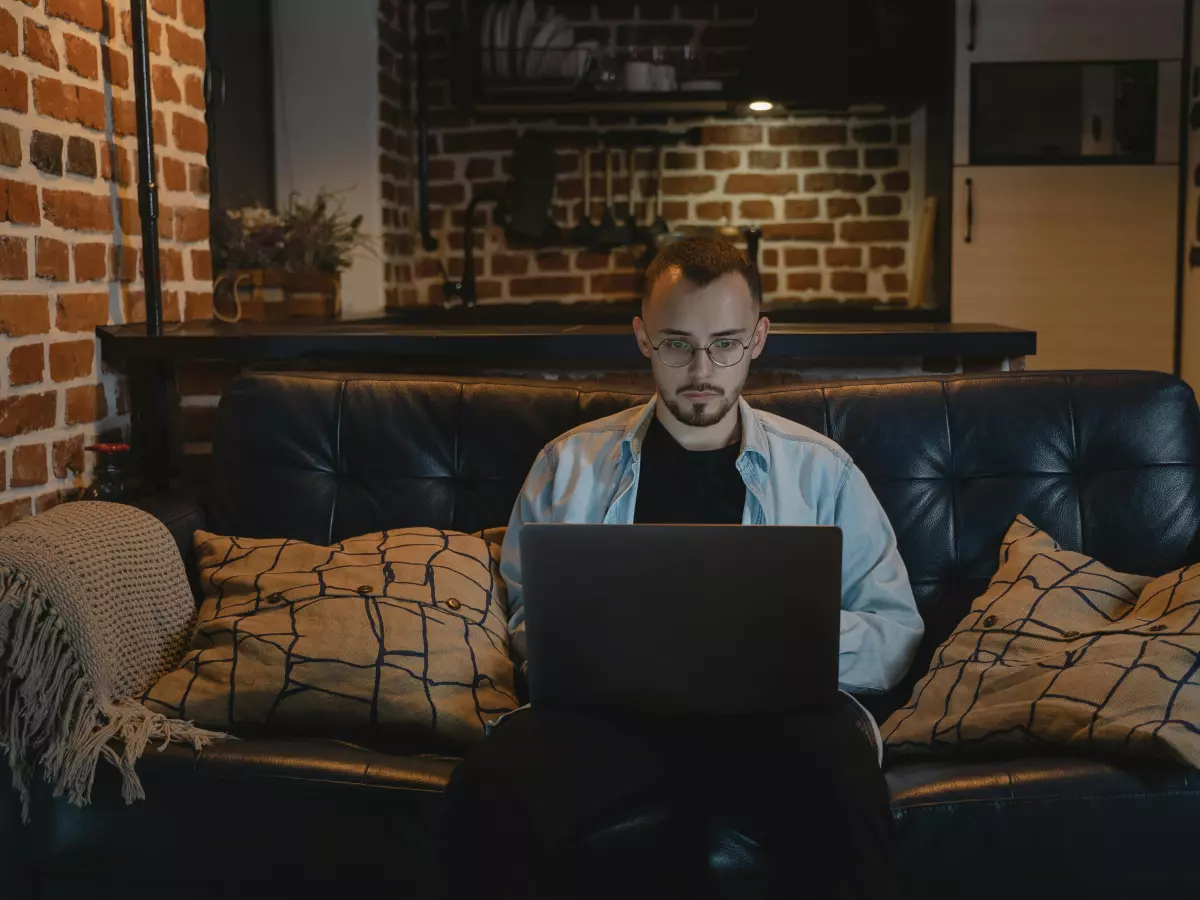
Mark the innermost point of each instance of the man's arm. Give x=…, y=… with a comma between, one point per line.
x=881, y=627
x=533, y=505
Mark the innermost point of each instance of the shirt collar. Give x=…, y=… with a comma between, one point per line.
x=754, y=440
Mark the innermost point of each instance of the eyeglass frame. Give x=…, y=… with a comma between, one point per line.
x=707, y=349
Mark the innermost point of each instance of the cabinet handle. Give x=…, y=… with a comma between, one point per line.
x=970, y=210
x=1097, y=129
x=972, y=19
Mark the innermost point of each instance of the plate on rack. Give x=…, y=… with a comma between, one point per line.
x=524, y=28
x=485, y=39
x=535, y=58
x=554, y=61
x=502, y=38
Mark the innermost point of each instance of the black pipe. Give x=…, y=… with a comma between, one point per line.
x=147, y=188
x=428, y=241
x=464, y=288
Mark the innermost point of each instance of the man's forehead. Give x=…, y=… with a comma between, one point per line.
x=725, y=302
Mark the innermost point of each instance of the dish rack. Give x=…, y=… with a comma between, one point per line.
x=519, y=45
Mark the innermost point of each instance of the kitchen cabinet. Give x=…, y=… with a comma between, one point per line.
x=1028, y=30
x=1083, y=255
x=1067, y=31
x=1066, y=175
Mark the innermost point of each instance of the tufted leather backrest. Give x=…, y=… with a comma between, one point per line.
x=1104, y=461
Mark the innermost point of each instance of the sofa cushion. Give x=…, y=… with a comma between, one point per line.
x=379, y=635
x=1063, y=651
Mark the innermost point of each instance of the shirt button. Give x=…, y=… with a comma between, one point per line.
x=989, y=621
x=1070, y=634
x=452, y=603
x=275, y=598
x=1158, y=627
x=365, y=589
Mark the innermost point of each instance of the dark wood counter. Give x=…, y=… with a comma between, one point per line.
x=463, y=349
x=541, y=343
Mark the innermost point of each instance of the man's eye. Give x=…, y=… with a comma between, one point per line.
x=725, y=344
x=678, y=345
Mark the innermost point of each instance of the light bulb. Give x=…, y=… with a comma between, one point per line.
x=762, y=105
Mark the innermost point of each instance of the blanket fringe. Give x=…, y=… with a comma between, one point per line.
x=50, y=715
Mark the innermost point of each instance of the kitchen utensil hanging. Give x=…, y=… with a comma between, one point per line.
x=584, y=232
x=658, y=226
x=609, y=233
x=631, y=222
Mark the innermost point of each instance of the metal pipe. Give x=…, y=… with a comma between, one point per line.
x=147, y=188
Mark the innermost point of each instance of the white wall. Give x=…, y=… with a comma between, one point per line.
x=1191, y=277
x=327, y=122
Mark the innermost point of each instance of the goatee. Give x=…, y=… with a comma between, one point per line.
x=698, y=415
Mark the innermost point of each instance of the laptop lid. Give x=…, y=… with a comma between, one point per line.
x=682, y=619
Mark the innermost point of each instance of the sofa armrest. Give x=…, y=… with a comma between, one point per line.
x=182, y=511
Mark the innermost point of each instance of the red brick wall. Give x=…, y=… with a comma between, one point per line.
x=396, y=160
x=69, y=227
x=832, y=196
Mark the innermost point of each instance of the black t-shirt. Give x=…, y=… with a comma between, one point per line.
x=687, y=487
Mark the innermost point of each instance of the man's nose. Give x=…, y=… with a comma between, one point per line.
x=702, y=365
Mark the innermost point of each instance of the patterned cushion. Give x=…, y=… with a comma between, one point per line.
x=1061, y=651
x=386, y=633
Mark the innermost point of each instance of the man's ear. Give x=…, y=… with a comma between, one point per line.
x=761, y=330
x=643, y=339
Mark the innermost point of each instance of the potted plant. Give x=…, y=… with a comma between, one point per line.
x=281, y=264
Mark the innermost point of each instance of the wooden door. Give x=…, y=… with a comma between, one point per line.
x=1083, y=255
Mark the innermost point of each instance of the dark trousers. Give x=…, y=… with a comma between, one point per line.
x=560, y=806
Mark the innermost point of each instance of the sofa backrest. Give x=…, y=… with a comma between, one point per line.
x=1104, y=461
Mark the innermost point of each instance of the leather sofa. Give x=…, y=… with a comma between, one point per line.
x=1107, y=462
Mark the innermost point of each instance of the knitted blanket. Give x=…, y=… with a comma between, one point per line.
x=94, y=608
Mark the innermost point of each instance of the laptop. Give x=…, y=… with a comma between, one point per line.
x=687, y=620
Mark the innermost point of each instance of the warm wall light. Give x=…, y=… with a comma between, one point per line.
x=762, y=106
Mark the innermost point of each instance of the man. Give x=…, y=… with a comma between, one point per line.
x=536, y=809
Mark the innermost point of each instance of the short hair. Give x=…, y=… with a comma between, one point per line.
x=702, y=260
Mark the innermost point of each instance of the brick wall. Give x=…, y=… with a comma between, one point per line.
x=396, y=162
x=832, y=196
x=69, y=227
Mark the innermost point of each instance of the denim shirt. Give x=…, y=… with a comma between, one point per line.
x=793, y=476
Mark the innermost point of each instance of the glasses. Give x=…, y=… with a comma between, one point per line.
x=723, y=352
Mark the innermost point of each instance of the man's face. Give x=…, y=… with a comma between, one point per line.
x=701, y=393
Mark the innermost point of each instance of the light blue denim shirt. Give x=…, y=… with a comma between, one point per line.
x=793, y=476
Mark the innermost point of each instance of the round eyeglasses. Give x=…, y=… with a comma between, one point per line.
x=723, y=352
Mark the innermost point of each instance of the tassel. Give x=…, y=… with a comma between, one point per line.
x=49, y=712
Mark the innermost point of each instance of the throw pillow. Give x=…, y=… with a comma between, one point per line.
x=1063, y=652
x=386, y=633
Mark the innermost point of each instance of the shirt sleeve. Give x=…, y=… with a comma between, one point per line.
x=533, y=505
x=880, y=624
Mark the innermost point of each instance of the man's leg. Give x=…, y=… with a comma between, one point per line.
x=533, y=809
x=809, y=792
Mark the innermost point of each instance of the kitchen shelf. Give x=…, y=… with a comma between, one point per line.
x=499, y=81
x=597, y=102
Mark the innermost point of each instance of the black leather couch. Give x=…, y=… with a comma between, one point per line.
x=1108, y=462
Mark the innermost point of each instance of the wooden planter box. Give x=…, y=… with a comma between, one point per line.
x=267, y=295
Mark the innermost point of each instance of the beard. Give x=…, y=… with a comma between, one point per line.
x=701, y=415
